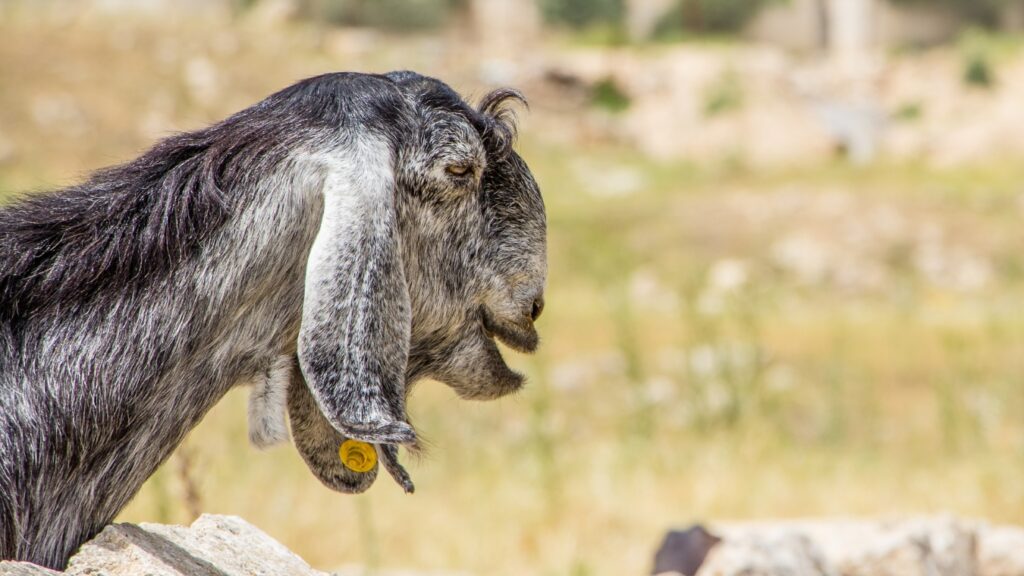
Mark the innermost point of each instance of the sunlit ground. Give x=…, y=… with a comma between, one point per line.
x=718, y=342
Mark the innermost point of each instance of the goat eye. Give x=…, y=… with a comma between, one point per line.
x=459, y=169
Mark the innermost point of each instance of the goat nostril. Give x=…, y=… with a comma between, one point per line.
x=538, y=307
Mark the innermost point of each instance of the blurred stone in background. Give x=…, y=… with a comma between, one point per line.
x=683, y=551
x=926, y=546
x=212, y=546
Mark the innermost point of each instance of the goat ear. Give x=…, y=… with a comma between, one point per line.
x=317, y=442
x=353, y=344
x=319, y=445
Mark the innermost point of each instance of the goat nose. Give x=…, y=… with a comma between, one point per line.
x=538, y=307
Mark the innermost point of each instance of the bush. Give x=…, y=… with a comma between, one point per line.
x=980, y=12
x=724, y=95
x=708, y=16
x=978, y=71
x=581, y=14
x=982, y=52
x=908, y=112
x=606, y=94
x=385, y=14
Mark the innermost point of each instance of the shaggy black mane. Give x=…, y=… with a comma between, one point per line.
x=127, y=223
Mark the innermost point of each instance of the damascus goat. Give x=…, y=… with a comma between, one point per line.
x=330, y=245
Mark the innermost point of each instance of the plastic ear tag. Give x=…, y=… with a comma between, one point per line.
x=357, y=456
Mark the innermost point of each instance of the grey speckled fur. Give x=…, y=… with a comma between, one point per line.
x=330, y=245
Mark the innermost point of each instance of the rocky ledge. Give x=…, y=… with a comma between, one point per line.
x=942, y=546
x=212, y=546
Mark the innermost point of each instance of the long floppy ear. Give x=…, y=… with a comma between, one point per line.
x=317, y=442
x=353, y=343
x=319, y=445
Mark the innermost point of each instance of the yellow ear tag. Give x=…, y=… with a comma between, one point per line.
x=358, y=456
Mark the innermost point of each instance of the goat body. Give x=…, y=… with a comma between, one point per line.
x=98, y=391
x=129, y=305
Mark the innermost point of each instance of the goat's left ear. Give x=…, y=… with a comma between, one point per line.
x=353, y=343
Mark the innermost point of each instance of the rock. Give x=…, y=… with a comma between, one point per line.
x=24, y=569
x=930, y=546
x=1000, y=551
x=920, y=547
x=766, y=554
x=212, y=546
x=683, y=551
x=942, y=546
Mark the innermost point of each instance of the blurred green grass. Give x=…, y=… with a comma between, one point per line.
x=719, y=342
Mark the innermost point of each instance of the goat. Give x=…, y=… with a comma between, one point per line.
x=332, y=244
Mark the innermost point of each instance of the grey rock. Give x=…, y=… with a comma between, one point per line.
x=919, y=547
x=8, y=568
x=770, y=553
x=1000, y=550
x=683, y=551
x=929, y=546
x=212, y=546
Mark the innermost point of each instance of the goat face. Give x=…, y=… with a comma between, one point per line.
x=474, y=239
x=432, y=245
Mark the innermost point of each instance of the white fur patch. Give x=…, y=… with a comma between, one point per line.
x=268, y=404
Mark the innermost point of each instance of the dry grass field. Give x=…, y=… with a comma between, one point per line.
x=719, y=342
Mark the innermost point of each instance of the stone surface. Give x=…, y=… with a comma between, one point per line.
x=770, y=553
x=932, y=546
x=24, y=569
x=1000, y=550
x=683, y=551
x=927, y=546
x=212, y=546
x=920, y=547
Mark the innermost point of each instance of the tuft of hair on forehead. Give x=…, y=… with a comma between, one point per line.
x=493, y=118
x=498, y=120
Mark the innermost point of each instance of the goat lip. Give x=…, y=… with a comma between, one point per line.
x=520, y=337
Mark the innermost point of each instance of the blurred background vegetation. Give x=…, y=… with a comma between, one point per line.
x=786, y=265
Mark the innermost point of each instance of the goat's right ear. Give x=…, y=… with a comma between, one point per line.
x=353, y=343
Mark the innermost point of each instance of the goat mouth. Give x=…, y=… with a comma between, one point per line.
x=521, y=337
